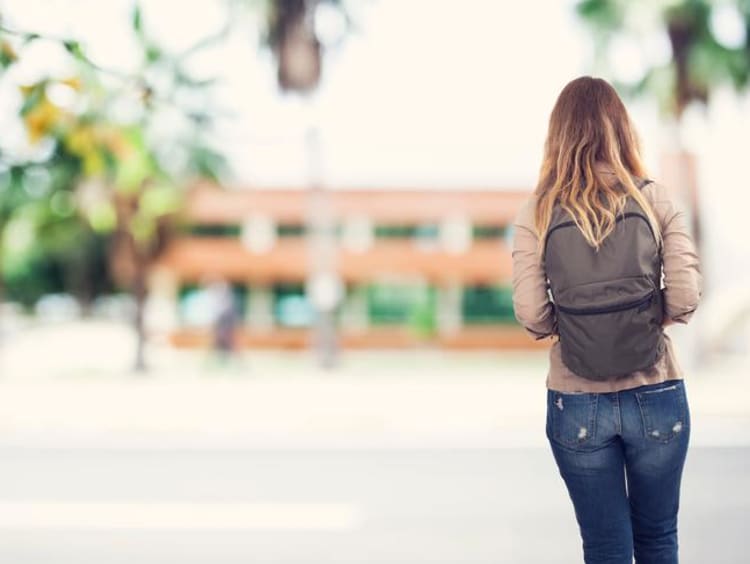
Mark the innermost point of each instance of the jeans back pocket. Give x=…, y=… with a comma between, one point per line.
x=571, y=417
x=664, y=412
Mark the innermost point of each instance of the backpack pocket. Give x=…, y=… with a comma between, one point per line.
x=610, y=328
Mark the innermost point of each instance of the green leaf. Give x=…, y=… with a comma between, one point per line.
x=75, y=49
x=142, y=227
x=103, y=217
x=184, y=79
x=34, y=97
x=136, y=20
x=738, y=64
x=7, y=54
x=19, y=234
x=207, y=163
x=604, y=14
x=153, y=53
x=94, y=163
x=160, y=199
x=134, y=167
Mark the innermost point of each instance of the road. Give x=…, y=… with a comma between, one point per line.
x=406, y=506
x=414, y=457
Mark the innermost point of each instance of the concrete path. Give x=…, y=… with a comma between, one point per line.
x=350, y=506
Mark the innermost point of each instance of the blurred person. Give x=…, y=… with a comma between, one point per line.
x=225, y=318
x=602, y=262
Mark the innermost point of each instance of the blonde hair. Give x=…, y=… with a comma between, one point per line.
x=589, y=126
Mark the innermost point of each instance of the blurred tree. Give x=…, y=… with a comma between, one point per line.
x=297, y=48
x=120, y=179
x=124, y=177
x=708, y=42
x=297, y=31
x=49, y=249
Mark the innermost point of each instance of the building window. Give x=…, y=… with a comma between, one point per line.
x=407, y=231
x=214, y=230
x=490, y=231
x=402, y=304
x=198, y=306
x=291, y=308
x=483, y=304
x=291, y=230
x=395, y=231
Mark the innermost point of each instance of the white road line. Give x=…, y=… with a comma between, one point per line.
x=132, y=515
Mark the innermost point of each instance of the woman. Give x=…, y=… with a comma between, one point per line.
x=620, y=440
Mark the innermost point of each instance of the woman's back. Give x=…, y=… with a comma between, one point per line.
x=683, y=289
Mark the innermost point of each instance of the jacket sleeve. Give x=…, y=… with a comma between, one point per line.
x=531, y=304
x=683, y=279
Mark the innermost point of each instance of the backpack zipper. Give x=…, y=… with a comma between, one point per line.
x=607, y=309
x=570, y=223
x=641, y=185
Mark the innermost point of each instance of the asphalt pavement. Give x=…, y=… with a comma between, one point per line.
x=467, y=506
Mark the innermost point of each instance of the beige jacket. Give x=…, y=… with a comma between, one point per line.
x=682, y=279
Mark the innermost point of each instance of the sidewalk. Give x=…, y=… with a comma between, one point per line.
x=76, y=393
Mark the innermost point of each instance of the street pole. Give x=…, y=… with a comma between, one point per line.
x=323, y=285
x=298, y=52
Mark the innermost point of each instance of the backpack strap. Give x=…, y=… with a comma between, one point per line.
x=643, y=182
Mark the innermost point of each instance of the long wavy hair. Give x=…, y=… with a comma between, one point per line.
x=591, y=161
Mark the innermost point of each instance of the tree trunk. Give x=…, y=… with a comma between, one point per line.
x=139, y=294
x=2, y=300
x=2, y=303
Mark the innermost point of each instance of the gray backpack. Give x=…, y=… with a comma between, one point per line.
x=608, y=304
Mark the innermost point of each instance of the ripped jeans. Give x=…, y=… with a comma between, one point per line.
x=621, y=456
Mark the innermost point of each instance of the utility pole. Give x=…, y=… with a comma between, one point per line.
x=323, y=285
x=299, y=58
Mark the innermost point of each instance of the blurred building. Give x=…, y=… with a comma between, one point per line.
x=415, y=266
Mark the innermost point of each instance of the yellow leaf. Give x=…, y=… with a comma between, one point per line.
x=9, y=54
x=74, y=82
x=41, y=119
x=93, y=163
x=27, y=89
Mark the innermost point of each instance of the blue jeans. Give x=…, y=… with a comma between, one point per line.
x=621, y=455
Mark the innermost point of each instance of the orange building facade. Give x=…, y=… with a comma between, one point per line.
x=412, y=267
